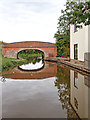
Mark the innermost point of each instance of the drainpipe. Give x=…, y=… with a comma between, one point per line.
x=69, y=43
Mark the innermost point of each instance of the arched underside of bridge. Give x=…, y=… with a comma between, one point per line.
x=11, y=50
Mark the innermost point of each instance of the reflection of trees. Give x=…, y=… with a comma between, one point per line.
x=63, y=84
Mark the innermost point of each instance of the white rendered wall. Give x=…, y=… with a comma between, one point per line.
x=89, y=38
x=82, y=38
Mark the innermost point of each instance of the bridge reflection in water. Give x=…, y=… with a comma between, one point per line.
x=47, y=70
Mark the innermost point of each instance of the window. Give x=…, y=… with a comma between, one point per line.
x=76, y=51
x=76, y=79
x=76, y=103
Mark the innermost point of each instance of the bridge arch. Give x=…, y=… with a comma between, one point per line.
x=10, y=50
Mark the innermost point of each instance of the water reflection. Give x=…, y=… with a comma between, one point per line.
x=0, y=98
x=32, y=66
x=63, y=85
x=73, y=93
x=48, y=70
x=55, y=91
x=79, y=93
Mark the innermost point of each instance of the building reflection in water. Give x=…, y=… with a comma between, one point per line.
x=79, y=86
x=73, y=90
x=63, y=85
x=0, y=99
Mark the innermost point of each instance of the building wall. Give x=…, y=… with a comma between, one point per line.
x=0, y=99
x=89, y=38
x=82, y=38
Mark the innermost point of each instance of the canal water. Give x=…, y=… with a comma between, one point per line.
x=43, y=89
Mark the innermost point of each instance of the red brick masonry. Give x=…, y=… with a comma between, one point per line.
x=11, y=50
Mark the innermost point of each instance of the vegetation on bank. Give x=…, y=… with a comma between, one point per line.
x=75, y=12
x=9, y=63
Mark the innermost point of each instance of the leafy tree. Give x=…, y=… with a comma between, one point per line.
x=75, y=12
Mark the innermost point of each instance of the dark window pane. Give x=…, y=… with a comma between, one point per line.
x=76, y=51
x=76, y=79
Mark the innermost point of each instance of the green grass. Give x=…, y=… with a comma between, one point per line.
x=9, y=63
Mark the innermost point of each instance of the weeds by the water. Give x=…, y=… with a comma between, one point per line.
x=9, y=63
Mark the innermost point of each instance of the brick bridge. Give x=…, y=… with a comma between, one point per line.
x=49, y=70
x=11, y=50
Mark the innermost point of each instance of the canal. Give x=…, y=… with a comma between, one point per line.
x=42, y=89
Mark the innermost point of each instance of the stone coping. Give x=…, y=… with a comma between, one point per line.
x=67, y=61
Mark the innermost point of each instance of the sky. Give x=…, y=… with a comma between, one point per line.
x=29, y=20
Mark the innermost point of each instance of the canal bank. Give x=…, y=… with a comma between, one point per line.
x=10, y=63
x=70, y=63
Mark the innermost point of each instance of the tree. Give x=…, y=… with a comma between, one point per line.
x=75, y=12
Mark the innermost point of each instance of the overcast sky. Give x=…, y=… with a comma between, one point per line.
x=29, y=20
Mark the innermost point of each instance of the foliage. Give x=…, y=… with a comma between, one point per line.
x=26, y=54
x=62, y=42
x=75, y=12
x=9, y=63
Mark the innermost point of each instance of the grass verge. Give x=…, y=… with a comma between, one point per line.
x=9, y=63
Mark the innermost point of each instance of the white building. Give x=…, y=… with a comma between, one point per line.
x=80, y=44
